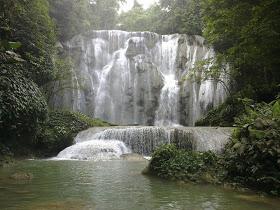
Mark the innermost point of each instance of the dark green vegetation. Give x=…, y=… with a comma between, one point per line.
x=59, y=130
x=224, y=114
x=246, y=36
x=250, y=159
x=30, y=65
x=169, y=162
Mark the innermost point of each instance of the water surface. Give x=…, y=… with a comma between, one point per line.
x=113, y=185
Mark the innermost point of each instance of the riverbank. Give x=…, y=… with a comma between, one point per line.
x=250, y=159
x=53, y=135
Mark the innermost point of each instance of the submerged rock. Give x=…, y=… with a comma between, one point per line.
x=22, y=176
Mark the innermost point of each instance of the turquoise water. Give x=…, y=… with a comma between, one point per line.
x=113, y=185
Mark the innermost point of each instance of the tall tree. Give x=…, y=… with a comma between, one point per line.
x=104, y=13
x=170, y=16
x=71, y=17
x=28, y=22
x=247, y=34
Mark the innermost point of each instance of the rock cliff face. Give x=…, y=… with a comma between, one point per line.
x=133, y=78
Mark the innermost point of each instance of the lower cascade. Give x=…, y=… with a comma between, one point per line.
x=109, y=143
x=95, y=150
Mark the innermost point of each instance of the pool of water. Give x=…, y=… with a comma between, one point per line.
x=113, y=185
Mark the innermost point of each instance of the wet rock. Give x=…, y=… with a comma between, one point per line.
x=259, y=124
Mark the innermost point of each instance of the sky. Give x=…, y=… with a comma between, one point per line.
x=129, y=4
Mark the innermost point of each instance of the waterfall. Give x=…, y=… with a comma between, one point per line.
x=95, y=150
x=167, y=113
x=130, y=78
x=101, y=143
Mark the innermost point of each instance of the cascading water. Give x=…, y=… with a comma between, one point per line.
x=130, y=78
x=167, y=113
x=110, y=143
x=95, y=150
x=137, y=78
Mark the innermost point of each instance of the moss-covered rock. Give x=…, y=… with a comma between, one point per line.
x=59, y=130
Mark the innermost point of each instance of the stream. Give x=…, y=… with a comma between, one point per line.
x=116, y=185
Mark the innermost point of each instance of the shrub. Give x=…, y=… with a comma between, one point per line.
x=171, y=163
x=253, y=156
x=223, y=115
x=59, y=130
x=22, y=106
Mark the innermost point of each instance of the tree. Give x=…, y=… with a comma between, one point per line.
x=104, y=14
x=168, y=17
x=28, y=23
x=71, y=17
x=246, y=34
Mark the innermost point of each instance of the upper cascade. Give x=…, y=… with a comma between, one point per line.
x=136, y=78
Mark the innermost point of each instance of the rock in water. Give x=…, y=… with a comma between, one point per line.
x=22, y=176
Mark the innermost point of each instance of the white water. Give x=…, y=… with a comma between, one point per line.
x=110, y=143
x=95, y=150
x=168, y=112
x=133, y=78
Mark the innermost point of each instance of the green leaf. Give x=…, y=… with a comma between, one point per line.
x=276, y=109
x=14, y=45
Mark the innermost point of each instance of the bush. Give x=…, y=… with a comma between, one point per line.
x=59, y=130
x=22, y=106
x=252, y=157
x=223, y=115
x=171, y=163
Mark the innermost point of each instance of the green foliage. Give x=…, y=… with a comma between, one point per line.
x=138, y=19
x=168, y=17
x=171, y=163
x=246, y=34
x=252, y=157
x=104, y=14
x=28, y=29
x=22, y=105
x=224, y=114
x=71, y=17
x=59, y=130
